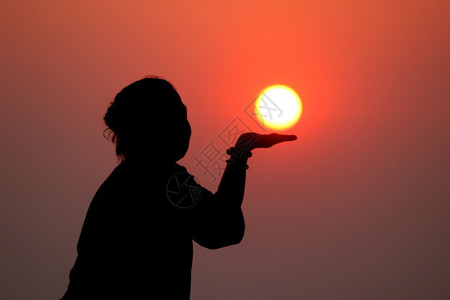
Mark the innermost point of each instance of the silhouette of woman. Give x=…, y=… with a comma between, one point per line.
x=136, y=240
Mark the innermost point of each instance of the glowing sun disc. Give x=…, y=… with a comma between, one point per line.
x=278, y=107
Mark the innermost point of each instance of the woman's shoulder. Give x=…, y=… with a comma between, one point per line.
x=127, y=173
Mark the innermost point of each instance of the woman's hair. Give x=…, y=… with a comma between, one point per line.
x=148, y=118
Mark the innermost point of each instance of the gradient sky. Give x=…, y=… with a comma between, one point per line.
x=357, y=208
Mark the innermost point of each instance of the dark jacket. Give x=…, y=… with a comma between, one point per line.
x=136, y=241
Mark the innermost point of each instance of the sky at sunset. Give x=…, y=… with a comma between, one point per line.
x=357, y=208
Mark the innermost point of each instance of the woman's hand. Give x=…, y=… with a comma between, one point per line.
x=251, y=140
x=268, y=140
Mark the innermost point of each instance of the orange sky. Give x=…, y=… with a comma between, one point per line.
x=356, y=208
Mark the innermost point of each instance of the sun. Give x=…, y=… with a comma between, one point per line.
x=278, y=107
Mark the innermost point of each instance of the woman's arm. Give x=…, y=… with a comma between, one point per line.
x=218, y=221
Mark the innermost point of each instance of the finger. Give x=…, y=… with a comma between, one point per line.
x=289, y=137
x=278, y=138
x=268, y=140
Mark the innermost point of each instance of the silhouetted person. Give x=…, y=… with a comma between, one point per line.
x=136, y=240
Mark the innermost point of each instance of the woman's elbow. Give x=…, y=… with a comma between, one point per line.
x=238, y=230
x=229, y=238
x=239, y=234
x=236, y=235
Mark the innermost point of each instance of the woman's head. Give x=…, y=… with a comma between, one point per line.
x=148, y=118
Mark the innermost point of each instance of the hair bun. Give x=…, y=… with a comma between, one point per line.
x=111, y=118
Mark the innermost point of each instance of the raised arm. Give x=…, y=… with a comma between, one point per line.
x=219, y=221
x=232, y=185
